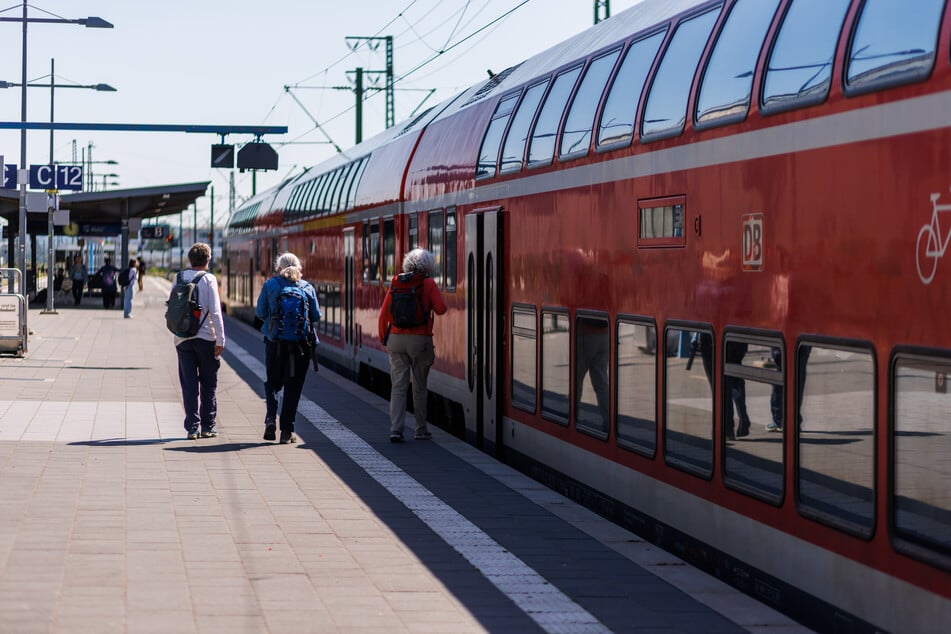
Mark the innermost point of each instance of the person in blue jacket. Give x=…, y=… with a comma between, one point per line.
x=287, y=313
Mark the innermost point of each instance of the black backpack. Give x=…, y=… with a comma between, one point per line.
x=124, y=277
x=183, y=310
x=406, y=301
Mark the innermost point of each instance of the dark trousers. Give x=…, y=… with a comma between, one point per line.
x=77, y=291
x=198, y=374
x=108, y=297
x=286, y=367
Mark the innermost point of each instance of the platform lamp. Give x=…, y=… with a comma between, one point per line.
x=91, y=22
x=49, y=220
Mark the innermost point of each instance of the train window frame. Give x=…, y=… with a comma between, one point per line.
x=918, y=545
x=663, y=203
x=585, y=102
x=357, y=179
x=586, y=318
x=703, y=469
x=910, y=74
x=437, y=248
x=732, y=40
x=325, y=196
x=805, y=354
x=451, y=249
x=309, y=204
x=620, y=82
x=494, y=135
x=671, y=82
x=317, y=202
x=519, y=330
x=548, y=122
x=521, y=123
x=623, y=439
x=553, y=414
x=339, y=187
x=769, y=371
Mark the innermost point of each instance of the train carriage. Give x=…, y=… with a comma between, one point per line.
x=693, y=259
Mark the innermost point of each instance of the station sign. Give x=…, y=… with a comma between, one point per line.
x=154, y=232
x=59, y=177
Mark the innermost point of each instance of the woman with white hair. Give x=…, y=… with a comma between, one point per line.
x=287, y=313
x=405, y=327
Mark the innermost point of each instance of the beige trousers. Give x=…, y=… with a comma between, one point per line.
x=411, y=356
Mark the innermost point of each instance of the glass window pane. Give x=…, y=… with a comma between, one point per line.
x=592, y=388
x=728, y=79
x=374, y=251
x=666, y=109
x=836, y=436
x=555, y=374
x=542, y=149
x=514, y=149
x=489, y=153
x=893, y=44
x=352, y=195
x=524, y=349
x=922, y=496
x=345, y=183
x=799, y=68
x=326, y=195
x=688, y=434
x=413, y=240
x=389, y=249
x=637, y=387
x=620, y=108
x=435, y=245
x=576, y=138
x=451, y=249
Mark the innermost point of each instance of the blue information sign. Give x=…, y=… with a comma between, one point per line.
x=69, y=177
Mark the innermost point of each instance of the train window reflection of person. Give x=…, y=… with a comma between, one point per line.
x=776, y=398
x=735, y=393
x=593, y=354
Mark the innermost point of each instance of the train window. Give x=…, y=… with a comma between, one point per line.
x=339, y=187
x=836, y=435
x=592, y=363
x=751, y=400
x=688, y=402
x=660, y=222
x=728, y=79
x=576, y=137
x=326, y=195
x=412, y=240
x=319, y=193
x=636, y=387
x=436, y=244
x=311, y=195
x=556, y=350
x=351, y=174
x=371, y=251
x=665, y=111
x=616, y=128
x=799, y=68
x=921, y=494
x=513, y=150
x=389, y=249
x=489, y=152
x=541, y=151
x=524, y=351
x=451, y=249
x=892, y=45
x=352, y=195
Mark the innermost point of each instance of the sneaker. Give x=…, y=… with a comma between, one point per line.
x=287, y=437
x=396, y=437
x=211, y=433
x=424, y=435
x=270, y=430
x=193, y=435
x=774, y=427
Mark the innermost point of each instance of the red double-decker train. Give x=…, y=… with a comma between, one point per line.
x=694, y=264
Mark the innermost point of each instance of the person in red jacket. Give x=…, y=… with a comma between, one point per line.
x=410, y=344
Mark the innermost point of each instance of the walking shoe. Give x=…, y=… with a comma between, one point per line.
x=774, y=427
x=396, y=437
x=743, y=429
x=270, y=428
x=287, y=437
x=193, y=435
x=211, y=433
x=424, y=435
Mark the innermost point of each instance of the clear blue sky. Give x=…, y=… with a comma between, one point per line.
x=228, y=61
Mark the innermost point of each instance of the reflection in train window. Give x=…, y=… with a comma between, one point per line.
x=617, y=119
x=728, y=79
x=489, y=152
x=799, y=68
x=666, y=109
x=389, y=249
x=413, y=228
x=660, y=222
x=688, y=406
x=751, y=400
x=524, y=349
x=921, y=499
x=541, y=151
x=436, y=244
x=893, y=45
x=836, y=436
x=555, y=363
x=513, y=150
x=636, y=387
x=592, y=404
x=371, y=251
x=451, y=248
x=576, y=137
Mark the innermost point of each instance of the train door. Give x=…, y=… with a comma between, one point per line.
x=483, y=319
x=348, y=290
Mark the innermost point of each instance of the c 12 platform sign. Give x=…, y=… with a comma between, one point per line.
x=59, y=177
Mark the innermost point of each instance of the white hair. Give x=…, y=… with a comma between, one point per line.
x=419, y=261
x=288, y=265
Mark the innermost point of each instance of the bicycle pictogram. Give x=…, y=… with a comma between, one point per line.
x=931, y=246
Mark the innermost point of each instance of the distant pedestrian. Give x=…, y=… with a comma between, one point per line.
x=287, y=313
x=80, y=277
x=410, y=344
x=141, y=274
x=198, y=361
x=108, y=274
x=127, y=278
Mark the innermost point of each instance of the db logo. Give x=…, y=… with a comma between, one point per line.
x=752, y=241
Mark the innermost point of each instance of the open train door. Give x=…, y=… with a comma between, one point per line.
x=483, y=295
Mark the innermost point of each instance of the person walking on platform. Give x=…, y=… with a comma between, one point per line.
x=79, y=278
x=405, y=327
x=108, y=274
x=127, y=279
x=198, y=355
x=286, y=313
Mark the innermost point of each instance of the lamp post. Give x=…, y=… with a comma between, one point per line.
x=49, y=220
x=91, y=22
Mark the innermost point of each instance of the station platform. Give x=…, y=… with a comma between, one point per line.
x=111, y=521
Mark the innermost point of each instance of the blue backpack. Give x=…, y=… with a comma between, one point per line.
x=292, y=319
